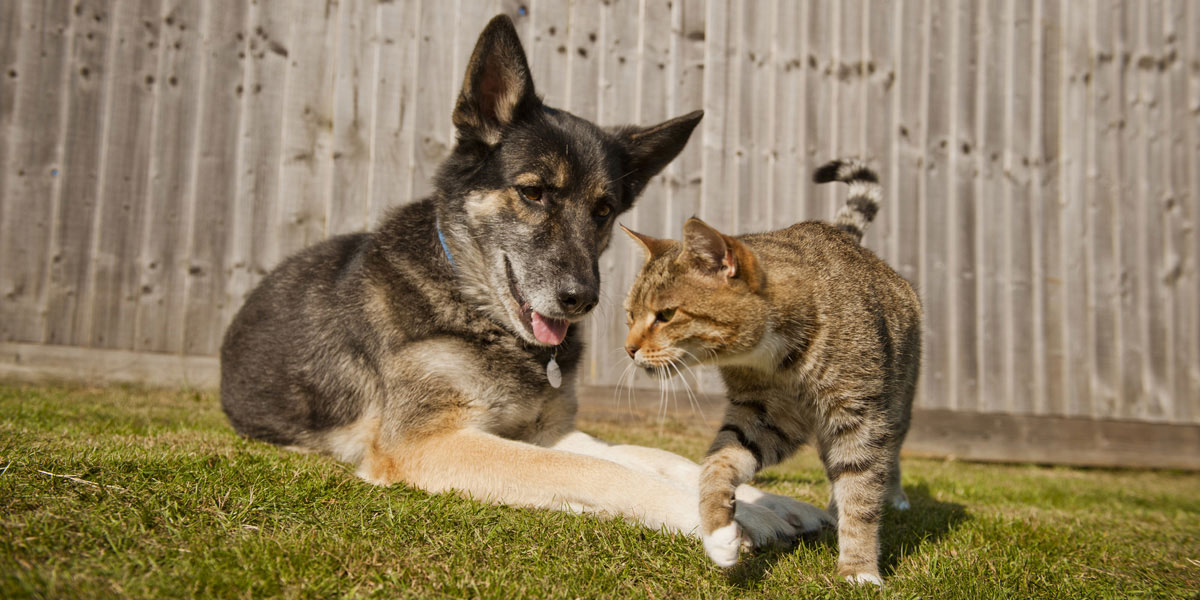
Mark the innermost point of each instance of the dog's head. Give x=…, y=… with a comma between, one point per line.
x=528, y=198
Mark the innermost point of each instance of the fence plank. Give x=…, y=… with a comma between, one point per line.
x=162, y=261
x=37, y=46
x=75, y=198
x=114, y=277
x=214, y=180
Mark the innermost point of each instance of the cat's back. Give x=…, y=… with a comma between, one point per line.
x=815, y=258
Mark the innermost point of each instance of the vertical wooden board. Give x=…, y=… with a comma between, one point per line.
x=820, y=90
x=1103, y=163
x=437, y=87
x=879, y=39
x=214, y=179
x=961, y=232
x=306, y=175
x=393, y=134
x=33, y=121
x=724, y=215
x=909, y=153
x=583, y=59
x=1176, y=276
x=756, y=152
x=685, y=93
x=992, y=339
x=255, y=243
x=618, y=102
x=788, y=70
x=1190, y=408
x=11, y=26
x=1130, y=215
x=353, y=119
x=75, y=196
x=653, y=31
x=549, y=24
x=1025, y=350
x=850, y=75
x=1046, y=163
x=935, y=211
x=1151, y=63
x=1074, y=195
x=115, y=276
x=163, y=254
x=584, y=54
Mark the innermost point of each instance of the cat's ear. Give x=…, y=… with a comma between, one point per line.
x=650, y=149
x=651, y=246
x=708, y=249
x=498, y=87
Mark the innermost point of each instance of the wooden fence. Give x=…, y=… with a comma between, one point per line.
x=1039, y=159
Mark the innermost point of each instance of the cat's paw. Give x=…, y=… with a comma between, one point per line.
x=901, y=504
x=865, y=578
x=724, y=544
x=804, y=517
x=762, y=526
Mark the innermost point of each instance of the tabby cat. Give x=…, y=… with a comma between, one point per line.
x=816, y=339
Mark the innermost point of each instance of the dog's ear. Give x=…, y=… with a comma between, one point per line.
x=650, y=149
x=497, y=88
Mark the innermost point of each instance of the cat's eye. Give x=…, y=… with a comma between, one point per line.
x=531, y=193
x=665, y=315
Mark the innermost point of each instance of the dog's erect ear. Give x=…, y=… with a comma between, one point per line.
x=650, y=149
x=651, y=246
x=498, y=87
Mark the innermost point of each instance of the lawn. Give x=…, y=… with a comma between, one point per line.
x=132, y=492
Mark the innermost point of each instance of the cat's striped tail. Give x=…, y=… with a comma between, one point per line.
x=863, y=200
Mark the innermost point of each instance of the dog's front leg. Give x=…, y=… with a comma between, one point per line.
x=801, y=516
x=494, y=469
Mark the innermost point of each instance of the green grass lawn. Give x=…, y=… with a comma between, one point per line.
x=135, y=492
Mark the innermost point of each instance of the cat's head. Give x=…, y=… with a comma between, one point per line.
x=698, y=300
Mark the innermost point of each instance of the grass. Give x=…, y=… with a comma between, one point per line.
x=143, y=493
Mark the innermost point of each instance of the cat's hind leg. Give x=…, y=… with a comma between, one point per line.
x=856, y=448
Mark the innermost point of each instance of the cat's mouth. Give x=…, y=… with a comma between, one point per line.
x=546, y=330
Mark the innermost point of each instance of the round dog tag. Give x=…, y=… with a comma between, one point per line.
x=553, y=373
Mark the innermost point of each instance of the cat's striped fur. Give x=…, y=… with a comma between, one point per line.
x=817, y=339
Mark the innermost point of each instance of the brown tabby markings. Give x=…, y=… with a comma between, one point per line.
x=816, y=338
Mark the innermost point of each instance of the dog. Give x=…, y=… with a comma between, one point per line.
x=442, y=349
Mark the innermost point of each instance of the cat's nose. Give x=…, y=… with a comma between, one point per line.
x=632, y=349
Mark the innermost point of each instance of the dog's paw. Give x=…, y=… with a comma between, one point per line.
x=763, y=527
x=724, y=544
x=865, y=578
x=804, y=517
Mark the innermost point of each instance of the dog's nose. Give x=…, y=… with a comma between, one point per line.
x=632, y=349
x=577, y=300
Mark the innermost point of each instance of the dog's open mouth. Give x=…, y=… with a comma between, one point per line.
x=547, y=330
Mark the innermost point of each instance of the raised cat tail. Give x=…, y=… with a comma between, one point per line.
x=863, y=200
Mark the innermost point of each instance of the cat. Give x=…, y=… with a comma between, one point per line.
x=816, y=338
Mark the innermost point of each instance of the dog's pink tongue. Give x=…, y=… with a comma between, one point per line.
x=549, y=331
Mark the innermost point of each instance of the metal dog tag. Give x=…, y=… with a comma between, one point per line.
x=553, y=373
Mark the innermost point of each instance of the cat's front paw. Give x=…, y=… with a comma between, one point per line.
x=724, y=544
x=804, y=517
x=865, y=578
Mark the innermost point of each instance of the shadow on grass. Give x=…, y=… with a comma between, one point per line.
x=904, y=533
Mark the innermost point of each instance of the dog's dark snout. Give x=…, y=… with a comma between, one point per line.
x=577, y=300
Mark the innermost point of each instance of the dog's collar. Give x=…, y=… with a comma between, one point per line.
x=445, y=248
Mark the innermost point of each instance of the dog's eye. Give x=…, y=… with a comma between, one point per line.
x=665, y=315
x=531, y=193
x=602, y=213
